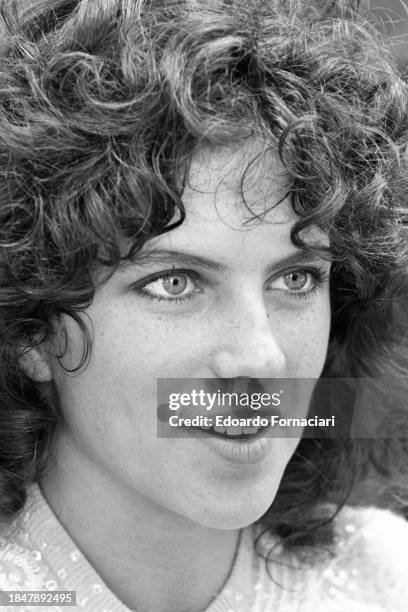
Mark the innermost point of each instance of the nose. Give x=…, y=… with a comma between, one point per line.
x=247, y=345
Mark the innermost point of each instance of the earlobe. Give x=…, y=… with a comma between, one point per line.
x=35, y=365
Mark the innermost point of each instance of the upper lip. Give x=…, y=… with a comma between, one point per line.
x=232, y=385
x=229, y=385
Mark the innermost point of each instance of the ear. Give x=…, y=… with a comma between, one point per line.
x=35, y=365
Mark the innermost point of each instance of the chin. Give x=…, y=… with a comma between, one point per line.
x=238, y=515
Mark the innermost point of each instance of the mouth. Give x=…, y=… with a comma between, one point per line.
x=238, y=445
x=234, y=432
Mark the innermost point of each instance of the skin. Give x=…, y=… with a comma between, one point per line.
x=140, y=506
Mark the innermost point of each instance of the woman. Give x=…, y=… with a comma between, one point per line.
x=179, y=181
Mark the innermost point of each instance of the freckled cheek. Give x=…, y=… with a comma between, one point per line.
x=302, y=336
x=310, y=342
x=182, y=339
x=147, y=348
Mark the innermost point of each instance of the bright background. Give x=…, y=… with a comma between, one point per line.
x=392, y=16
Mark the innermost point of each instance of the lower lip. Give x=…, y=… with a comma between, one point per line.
x=239, y=451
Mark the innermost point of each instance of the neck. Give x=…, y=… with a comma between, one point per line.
x=150, y=557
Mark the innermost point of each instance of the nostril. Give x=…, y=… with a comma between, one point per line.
x=225, y=385
x=255, y=386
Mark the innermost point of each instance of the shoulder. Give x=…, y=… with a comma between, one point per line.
x=23, y=567
x=371, y=558
x=20, y=567
x=22, y=562
x=374, y=533
x=365, y=571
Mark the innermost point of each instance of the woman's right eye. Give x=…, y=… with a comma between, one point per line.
x=170, y=286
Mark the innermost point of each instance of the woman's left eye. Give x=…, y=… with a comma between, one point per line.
x=299, y=283
x=172, y=286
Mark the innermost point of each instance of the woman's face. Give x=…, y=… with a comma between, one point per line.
x=238, y=300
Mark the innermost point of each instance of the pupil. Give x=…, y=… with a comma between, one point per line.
x=297, y=280
x=175, y=284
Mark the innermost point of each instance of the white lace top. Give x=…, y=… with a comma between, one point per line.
x=368, y=571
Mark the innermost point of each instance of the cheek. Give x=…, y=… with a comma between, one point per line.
x=146, y=347
x=306, y=338
x=129, y=352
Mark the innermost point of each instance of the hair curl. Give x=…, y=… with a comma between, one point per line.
x=102, y=105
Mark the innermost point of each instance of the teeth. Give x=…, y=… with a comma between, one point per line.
x=250, y=429
x=234, y=430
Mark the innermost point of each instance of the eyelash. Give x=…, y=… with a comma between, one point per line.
x=163, y=275
x=319, y=277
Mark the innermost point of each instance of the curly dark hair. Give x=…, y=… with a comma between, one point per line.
x=102, y=106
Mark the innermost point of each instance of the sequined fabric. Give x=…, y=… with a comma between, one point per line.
x=367, y=571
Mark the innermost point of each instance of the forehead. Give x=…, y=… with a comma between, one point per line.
x=238, y=183
x=237, y=210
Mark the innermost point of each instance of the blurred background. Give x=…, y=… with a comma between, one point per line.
x=392, y=17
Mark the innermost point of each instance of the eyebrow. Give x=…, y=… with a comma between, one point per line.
x=182, y=258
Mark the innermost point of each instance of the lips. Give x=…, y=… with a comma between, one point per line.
x=216, y=419
x=234, y=432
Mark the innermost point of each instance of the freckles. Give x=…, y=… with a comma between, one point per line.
x=306, y=339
